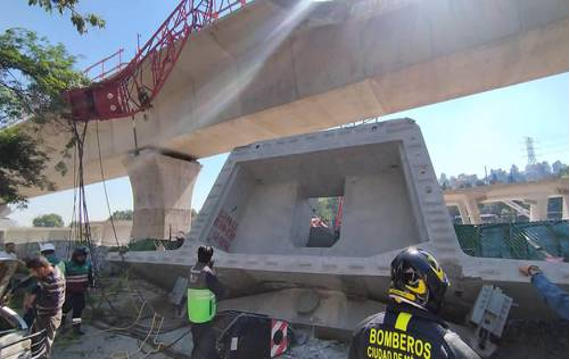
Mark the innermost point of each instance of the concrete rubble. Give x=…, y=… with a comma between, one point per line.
x=522, y=339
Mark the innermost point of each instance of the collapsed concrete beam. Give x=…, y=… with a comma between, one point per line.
x=256, y=218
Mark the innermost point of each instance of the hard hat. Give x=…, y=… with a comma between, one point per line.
x=47, y=247
x=205, y=253
x=418, y=279
x=81, y=250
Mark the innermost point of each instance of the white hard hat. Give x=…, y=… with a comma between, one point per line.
x=47, y=247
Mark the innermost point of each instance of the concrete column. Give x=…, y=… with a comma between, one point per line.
x=473, y=210
x=538, y=208
x=4, y=211
x=162, y=192
x=464, y=213
x=565, y=206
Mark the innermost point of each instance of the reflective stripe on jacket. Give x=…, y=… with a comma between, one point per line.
x=77, y=276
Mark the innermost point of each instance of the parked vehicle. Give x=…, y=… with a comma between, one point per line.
x=16, y=339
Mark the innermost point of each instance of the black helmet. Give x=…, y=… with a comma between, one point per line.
x=418, y=279
x=80, y=250
x=205, y=253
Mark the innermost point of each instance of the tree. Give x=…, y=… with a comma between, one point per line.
x=48, y=220
x=122, y=215
x=326, y=209
x=21, y=165
x=33, y=74
x=80, y=21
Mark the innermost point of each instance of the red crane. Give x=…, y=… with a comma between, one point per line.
x=133, y=88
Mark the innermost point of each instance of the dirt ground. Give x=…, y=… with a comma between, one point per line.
x=133, y=319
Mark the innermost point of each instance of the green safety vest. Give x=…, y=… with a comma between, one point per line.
x=201, y=301
x=77, y=276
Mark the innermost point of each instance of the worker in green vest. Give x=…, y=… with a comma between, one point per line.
x=203, y=291
x=78, y=278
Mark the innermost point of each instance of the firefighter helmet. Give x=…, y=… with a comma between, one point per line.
x=418, y=279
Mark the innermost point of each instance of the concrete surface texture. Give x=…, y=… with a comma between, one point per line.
x=254, y=218
x=162, y=188
x=279, y=68
x=535, y=194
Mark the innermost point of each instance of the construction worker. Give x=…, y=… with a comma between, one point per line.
x=203, y=291
x=552, y=295
x=47, y=250
x=10, y=249
x=410, y=326
x=78, y=277
x=47, y=298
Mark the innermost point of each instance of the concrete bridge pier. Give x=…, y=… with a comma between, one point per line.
x=463, y=213
x=565, y=205
x=4, y=210
x=538, y=207
x=468, y=209
x=472, y=206
x=162, y=188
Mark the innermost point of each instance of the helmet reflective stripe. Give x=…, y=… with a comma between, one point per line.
x=417, y=278
x=403, y=294
x=435, y=266
x=420, y=289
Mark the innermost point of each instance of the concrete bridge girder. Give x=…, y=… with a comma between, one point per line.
x=261, y=73
x=535, y=194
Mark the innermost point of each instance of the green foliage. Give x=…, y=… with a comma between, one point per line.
x=80, y=21
x=33, y=74
x=48, y=220
x=122, y=215
x=21, y=165
x=326, y=209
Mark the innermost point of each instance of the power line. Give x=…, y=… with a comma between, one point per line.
x=531, y=156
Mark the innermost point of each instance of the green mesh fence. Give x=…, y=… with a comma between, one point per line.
x=524, y=241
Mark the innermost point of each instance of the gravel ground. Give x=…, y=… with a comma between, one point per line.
x=97, y=344
x=521, y=339
x=527, y=340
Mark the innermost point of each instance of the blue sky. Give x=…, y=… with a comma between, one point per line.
x=462, y=135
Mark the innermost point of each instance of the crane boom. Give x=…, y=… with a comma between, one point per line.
x=133, y=88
